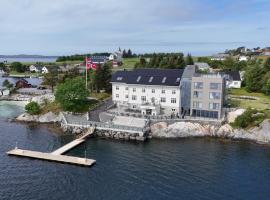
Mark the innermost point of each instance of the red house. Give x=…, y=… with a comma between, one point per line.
x=22, y=83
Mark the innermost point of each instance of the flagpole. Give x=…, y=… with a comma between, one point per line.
x=86, y=63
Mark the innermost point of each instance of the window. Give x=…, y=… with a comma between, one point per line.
x=173, y=109
x=197, y=94
x=143, y=90
x=117, y=87
x=134, y=106
x=151, y=79
x=214, y=106
x=214, y=95
x=197, y=104
x=235, y=83
x=215, y=86
x=119, y=78
x=173, y=100
x=164, y=79
x=198, y=85
x=126, y=88
x=178, y=80
x=173, y=92
x=117, y=95
x=163, y=91
x=134, y=98
x=143, y=98
x=126, y=96
x=163, y=100
x=153, y=90
x=134, y=89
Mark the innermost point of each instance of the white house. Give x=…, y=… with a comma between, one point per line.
x=243, y=58
x=44, y=70
x=35, y=68
x=4, y=92
x=220, y=57
x=164, y=92
x=233, y=79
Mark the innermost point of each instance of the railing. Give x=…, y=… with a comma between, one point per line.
x=100, y=125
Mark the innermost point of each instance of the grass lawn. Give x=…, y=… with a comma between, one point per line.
x=262, y=103
x=24, y=73
x=128, y=64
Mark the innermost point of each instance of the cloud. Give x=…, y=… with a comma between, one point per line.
x=64, y=26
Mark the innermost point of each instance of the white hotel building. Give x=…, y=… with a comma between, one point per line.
x=165, y=92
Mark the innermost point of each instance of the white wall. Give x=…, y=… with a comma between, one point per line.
x=122, y=92
x=233, y=84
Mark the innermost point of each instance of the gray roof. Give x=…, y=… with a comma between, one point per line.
x=168, y=77
x=202, y=65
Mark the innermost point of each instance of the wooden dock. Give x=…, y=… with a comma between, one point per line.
x=52, y=157
x=57, y=154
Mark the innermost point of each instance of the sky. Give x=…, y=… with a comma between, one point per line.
x=199, y=27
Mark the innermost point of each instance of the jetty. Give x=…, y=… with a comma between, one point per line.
x=56, y=155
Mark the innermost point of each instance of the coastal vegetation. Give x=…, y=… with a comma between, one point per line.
x=72, y=95
x=33, y=108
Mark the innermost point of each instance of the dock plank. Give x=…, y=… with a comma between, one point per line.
x=52, y=157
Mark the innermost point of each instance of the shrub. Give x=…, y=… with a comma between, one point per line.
x=32, y=108
x=250, y=117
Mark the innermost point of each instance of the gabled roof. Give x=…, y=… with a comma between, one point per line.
x=167, y=77
x=235, y=75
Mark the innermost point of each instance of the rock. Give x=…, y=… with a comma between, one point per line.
x=156, y=127
x=25, y=117
x=234, y=114
x=42, y=98
x=49, y=117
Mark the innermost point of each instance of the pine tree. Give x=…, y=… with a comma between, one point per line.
x=189, y=60
x=180, y=63
x=129, y=54
x=267, y=65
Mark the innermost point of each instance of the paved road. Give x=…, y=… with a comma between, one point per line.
x=94, y=115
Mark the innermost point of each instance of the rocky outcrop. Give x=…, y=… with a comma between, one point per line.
x=40, y=99
x=187, y=129
x=49, y=117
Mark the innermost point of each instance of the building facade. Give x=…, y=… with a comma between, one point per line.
x=165, y=92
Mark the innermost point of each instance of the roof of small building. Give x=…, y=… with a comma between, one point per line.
x=235, y=75
x=167, y=77
x=202, y=65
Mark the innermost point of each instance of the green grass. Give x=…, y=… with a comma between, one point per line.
x=24, y=73
x=263, y=103
x=128, y=64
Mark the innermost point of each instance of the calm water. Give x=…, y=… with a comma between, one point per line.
x=171, y=169
x=27, y=60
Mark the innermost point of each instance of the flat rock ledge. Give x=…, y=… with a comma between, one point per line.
x=260, y=134
x=49, y=117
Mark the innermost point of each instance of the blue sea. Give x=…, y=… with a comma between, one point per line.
x=188, y=169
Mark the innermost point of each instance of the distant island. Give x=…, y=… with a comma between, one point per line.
x=27, y=56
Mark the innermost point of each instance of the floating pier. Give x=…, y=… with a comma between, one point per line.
x=56, y=155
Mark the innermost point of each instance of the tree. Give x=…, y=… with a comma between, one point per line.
x=189, y=60
x=72, y=95
x=267, y=65
x=7, y=84
x=266, y=87
x=32, y=108
x=129, y=54
x=3, y=67
x=18, y=67
x=180, y=63
x=253, y=78
x=102, y=77
x=51, y=78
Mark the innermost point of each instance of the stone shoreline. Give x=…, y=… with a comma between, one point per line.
x=260, y=134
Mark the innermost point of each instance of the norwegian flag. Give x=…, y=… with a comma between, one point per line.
x=88, y=63
x=94, y=66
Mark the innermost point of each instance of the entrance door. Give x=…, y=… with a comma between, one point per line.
x=148, y=111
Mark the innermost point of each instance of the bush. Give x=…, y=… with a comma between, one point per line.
x=33, y=108
x=250, y=117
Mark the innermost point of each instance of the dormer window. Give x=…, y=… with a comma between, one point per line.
x=151, y=79
x=139, y=78
x=178, y=80
x=164, y=79
x=119, y=78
